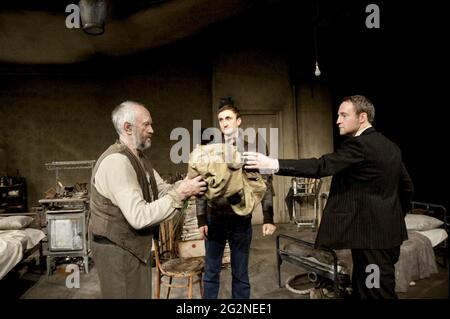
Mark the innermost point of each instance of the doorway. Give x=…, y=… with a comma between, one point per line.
x=267, y=120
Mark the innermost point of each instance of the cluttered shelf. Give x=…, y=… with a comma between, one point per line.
x=70, y=165
x=13, y=194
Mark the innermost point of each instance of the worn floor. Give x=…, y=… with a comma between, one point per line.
x=28, y=283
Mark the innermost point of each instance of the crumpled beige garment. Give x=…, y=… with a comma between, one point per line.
x=221, y=166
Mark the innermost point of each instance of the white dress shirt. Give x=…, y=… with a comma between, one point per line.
x=117, y=180
x=361, y=130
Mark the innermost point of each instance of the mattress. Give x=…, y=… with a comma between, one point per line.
x=13, y=244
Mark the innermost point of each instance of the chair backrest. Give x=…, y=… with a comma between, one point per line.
x=164, y=246
x=169, y=231
x=304, y=185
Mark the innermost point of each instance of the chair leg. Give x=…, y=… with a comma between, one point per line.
x=279, y=270
x=158, y=285
x=191, y=280
x=169, y=288
x=200, y=283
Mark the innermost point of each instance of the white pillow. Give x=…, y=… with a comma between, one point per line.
x=421, y=222
x=15, y=222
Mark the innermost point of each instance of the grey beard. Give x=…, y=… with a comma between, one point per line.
x=139, y=144
x=145, y=145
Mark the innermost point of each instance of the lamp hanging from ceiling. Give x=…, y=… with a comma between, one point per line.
x=317, y=71
x=93, y=15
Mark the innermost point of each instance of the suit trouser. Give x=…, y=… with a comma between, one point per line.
x=373, y=274
x=121, y=274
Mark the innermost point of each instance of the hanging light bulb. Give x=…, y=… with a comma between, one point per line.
x=317, y=71
x=316, y=18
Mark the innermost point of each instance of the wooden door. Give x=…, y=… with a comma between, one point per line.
x=255, y=120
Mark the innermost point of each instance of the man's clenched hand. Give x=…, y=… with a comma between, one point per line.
x=268, y=229
x=191, y=187
x=203, y=232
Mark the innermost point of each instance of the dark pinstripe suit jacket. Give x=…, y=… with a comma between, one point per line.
x=369, y=195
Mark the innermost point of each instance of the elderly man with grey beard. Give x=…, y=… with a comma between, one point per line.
x=128, y=199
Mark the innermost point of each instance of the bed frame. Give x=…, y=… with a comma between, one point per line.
x=318, y=270
x=439, y=212
x=341, y=281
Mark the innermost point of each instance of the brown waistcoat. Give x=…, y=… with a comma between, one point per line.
x=107, y=220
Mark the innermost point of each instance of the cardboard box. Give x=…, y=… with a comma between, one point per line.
x=196, y=248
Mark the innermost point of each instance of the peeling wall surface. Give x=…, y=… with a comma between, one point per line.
x=66, y=117
x=47, y=117
x=61, y=112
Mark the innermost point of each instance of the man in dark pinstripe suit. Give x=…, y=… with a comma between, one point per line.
x=369, y=196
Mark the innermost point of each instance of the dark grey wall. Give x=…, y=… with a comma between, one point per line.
x=2, y=143
x=63, y=112
x=48, y=116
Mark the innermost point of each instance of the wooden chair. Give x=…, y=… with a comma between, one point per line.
x=169, y=265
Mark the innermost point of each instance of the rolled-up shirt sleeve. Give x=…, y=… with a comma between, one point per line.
x=116, y=180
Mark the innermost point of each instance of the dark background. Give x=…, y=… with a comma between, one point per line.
x=400, y=67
